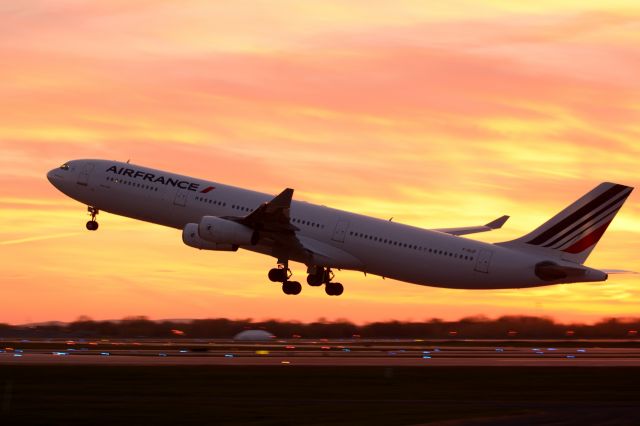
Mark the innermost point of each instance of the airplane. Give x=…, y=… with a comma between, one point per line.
x=217, y=217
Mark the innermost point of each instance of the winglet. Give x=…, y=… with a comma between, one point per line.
x=283, y=200
x=497, y=224
x=272, y=215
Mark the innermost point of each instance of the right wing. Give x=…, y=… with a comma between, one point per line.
x=494, y=224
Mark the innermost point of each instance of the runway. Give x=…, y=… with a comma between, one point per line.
x=317, y=353
x=342, y=382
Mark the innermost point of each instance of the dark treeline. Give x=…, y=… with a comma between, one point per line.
x=506, y=327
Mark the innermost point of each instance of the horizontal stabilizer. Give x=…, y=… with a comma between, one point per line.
x=618, y=272
x=494, y=224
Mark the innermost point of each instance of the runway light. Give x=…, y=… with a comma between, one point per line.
x=262, y=352
x=183, y=351
x=426, y=352
x=426, y=356
x=289, y=347
x=325, y=348
x=285, y=362
x=551, y=349
x=60, y=353
x=162, y=354
x=17, y=355
x=346, y=350
x=228, y=355
x=105, y=353
x=571, y=356
x=19, y=351
x=499, y=350
x=581, y=350
x=436, y=349
x=539, y=352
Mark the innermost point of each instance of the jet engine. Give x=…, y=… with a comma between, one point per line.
x=222, y=231
x=191, y=238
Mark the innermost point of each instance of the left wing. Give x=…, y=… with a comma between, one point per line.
x=495, y=224
x=272, y=216
x=272, y=224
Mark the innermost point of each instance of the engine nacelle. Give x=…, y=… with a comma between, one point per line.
x=222, y=231
x=191, y=238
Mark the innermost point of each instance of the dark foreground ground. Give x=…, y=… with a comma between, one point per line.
x=282, y=395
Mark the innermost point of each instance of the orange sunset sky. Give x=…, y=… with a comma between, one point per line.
x=436, y=113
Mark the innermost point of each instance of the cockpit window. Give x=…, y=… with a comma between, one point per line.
x=64, y=167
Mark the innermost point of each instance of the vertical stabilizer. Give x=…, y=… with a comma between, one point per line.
x=574, y=232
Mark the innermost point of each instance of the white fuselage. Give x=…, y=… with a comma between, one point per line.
x=349, y=241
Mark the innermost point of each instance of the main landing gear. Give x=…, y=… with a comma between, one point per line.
x=92, y=225
x=318, y=275
x=281, y=274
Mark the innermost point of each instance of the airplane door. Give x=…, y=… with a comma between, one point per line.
x=340, y=231
x=484, y=259
x=83, y=176
x=181, y=198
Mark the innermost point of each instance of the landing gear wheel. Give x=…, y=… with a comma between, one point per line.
x=334, y=289
x=291, y=287
x=319, y=275
x=315, y=280
x=92, y=225
x=279, y=275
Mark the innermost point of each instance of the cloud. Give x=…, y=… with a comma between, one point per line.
x=444, y=115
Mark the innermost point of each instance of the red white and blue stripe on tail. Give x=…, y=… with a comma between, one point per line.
x=574, y=232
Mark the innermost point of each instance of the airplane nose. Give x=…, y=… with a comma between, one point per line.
x=50, y=176
x=54, y=177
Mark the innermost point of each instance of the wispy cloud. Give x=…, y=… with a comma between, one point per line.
x=38, y=238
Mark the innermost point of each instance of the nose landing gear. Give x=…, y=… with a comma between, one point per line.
x=92, y=225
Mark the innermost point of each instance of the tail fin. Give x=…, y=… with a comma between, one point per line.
x=574, y=232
